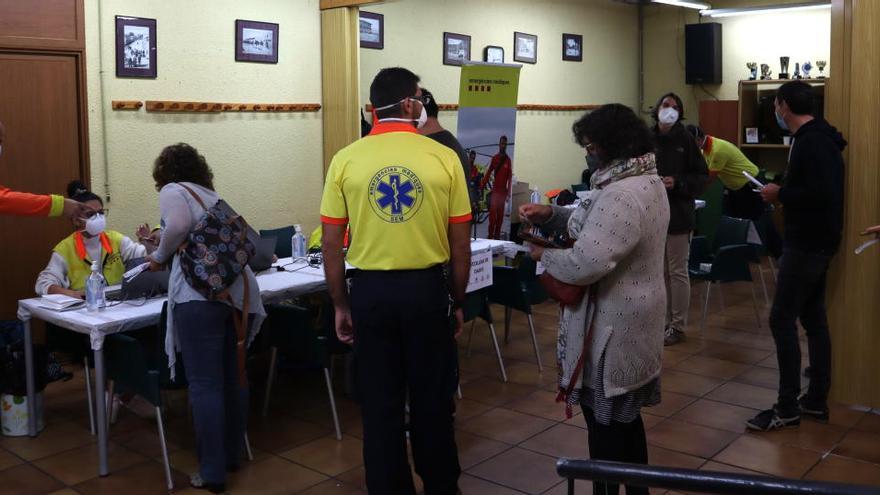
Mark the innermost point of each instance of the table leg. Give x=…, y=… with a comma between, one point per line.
x=30, y=379
x=101, y=411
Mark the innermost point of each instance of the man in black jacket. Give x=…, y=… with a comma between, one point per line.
x=812, y=200
x=684, y=172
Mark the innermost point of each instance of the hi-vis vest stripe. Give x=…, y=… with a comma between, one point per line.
x=79, y=266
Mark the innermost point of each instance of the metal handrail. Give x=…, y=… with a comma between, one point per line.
x=698, y=481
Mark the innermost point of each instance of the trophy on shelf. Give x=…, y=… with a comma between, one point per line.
x=797, y=71
x=765, y=72
x=783, y=65
x=753, y=70
x=807, y=67
x=821, y=65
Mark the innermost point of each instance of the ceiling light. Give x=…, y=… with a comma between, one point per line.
x=767, y=9
x=681, y=3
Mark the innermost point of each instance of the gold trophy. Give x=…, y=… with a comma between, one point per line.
x=821, y=65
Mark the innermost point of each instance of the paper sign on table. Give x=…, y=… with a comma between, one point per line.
x=481, y=270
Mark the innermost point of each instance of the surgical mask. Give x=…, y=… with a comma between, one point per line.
x=780, y=121
x=668, y=116
x=420, y=122
x=593, y=162
x=96, y=224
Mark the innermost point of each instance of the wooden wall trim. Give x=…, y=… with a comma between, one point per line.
x=526, y=107
x=334, y=4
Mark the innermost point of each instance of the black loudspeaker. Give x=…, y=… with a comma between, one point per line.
x=702, y=53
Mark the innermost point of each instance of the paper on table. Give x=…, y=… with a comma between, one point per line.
x=866, y=245
x=60, y=302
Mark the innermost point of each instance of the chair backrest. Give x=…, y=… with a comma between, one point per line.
x=700, y=252
x=282, y=236
x=731, y=264
x=731, y=231
x=127, y=366
x=580, y=187
x=476, y=305
x=507, y=289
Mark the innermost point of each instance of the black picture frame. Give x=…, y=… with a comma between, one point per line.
x=525, y=48
x=251, y=48
x=493, y=50
x=136, y=57
x=449, y=42
x=567, y=54
x=379, y=43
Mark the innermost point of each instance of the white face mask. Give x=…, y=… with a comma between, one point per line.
x=96, y=224
x=668, y=115
x=420, y=122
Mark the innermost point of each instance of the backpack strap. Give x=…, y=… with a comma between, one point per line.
x=240, y=321
x=194, y=195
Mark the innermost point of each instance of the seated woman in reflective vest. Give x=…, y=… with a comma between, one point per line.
x=71, y=262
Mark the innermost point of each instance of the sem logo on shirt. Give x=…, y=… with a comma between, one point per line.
x=396, y=194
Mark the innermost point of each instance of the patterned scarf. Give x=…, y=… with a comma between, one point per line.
x=576, y=322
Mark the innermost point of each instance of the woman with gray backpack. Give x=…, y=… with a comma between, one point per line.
x=213, y=303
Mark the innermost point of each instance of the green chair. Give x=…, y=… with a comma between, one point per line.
x=283, y=236
x=476, y=305
x=729, y=264
x=517, y=288
x=306, y=335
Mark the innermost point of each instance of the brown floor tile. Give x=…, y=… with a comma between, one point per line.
x=471, y=484
x=78, y=465
x=473, y=449
x=358, y=478
x=769, y=362
x=759, y=376
x=668, y=458
x=716, y=415
x=466, y=409
x=696, y=440
x=726, y=468
x=560, y=441
x=271, y=476
x=65, y=491
x=844, y=415
x=869, y=422
x=527, y=374
x=581, y=487
x=519, y=469
x=27, y=480
x=860, y=445
x=670, y=403
x=57, y=437
x=688, y=383
x=328, y=455
x=280, y=434
x=843, y=470
x=735, y=353
x=579, y=421
x=672, y=357
x=809, y=435
x=711, y=367
x=142, y=479
x=744, y=395
x=651, y=420
x=494, y=392
x=333, y=487
x=765, y=456
x=506, y=426
x=8, y=459
x=146, y=441
x=541, y=403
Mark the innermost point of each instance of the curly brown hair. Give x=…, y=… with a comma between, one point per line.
x=182, y=163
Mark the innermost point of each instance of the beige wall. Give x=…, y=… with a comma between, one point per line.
x=752, y=38
x=545, y=152
x=268, y=166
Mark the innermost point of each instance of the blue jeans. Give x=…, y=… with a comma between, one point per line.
x=207, y=339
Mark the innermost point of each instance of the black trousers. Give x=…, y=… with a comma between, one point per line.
x=405, y=349
x=743, y=203
x=621, y=442
x=800, y=293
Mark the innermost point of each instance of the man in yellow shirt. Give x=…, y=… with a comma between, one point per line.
x=728, y=163
x=405, y=200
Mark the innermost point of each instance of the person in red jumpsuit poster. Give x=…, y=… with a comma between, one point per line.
x=502, y=170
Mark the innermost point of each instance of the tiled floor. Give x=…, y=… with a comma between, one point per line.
x=509, y=435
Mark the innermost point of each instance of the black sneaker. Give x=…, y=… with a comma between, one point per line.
x=771, y=420
x=672, y=336
x=817, y=411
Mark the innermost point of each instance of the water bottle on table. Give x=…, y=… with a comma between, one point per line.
x=298, y=243
x=95, y=289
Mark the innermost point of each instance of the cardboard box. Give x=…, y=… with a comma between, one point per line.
x=519, y=195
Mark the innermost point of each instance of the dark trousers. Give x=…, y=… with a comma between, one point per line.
x=800, y=293
x=743, y=203
x=621, y=442
x=404, y=349
x=219, y=403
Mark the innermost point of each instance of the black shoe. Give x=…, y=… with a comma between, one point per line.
x=198, y=483
x=771, y=420
x=816, y=410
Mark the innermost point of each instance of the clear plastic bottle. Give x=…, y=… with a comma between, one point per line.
x=298, y=243
x=95, y=289
x=535, y=196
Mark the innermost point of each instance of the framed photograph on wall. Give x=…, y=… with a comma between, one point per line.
x=493, y=54
x=456, y=48
x=572, y=47
x=372, y=29
x=525, y=48
x=256, y=41
x=135, y=47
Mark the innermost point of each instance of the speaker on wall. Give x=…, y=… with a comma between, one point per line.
x=702, y=53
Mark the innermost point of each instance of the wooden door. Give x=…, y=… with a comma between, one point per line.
x=40, y=106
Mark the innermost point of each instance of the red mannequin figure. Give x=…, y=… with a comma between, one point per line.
x=502, y=170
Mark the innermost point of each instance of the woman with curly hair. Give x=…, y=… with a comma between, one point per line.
x=203, y=330
x=611, y=342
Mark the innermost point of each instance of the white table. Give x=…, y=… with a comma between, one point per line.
x=297, y=280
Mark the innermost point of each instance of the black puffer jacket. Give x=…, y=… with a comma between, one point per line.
x=678, y=157
x=812, y=192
